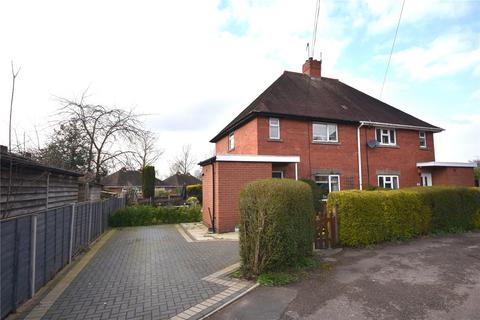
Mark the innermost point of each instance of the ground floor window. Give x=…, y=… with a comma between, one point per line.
x=328, y=183
x=277, y=174
x=388, y=181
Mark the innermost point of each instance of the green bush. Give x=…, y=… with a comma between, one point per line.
x=368, y=217
x=148, y=215
x=195, y=190
x=148, y=182
x=318, y=194
x=276, y=224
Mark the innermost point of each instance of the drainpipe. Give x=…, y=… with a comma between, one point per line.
x=359, y=155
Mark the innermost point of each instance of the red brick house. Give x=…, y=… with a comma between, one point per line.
x=305, y=126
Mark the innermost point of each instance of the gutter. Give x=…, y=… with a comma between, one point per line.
x=400, y=126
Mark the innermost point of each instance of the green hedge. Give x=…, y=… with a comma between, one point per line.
x=276, y=224
x=195, y=190
x=368, y=217
x=148, y=215
x=318, y=194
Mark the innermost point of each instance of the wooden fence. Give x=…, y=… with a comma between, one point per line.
x=35, y=247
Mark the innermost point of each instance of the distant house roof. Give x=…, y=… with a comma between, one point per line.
x=180, y=179
x=17, y=160
x=123, y=178
x=297, y=95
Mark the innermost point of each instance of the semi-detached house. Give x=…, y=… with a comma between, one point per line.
x=305, y=126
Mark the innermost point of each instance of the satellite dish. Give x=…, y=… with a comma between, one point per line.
x=372, y=143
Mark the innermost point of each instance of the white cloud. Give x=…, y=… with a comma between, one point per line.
x=446, y=55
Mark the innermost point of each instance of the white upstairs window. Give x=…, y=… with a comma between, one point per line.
x=274, y=128
x=231, y=141
x=386, y=137
x=422, y=136
x=324, y=132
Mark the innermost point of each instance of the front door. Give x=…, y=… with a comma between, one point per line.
x=426, y=179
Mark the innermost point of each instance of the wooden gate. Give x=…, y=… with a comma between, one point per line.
x=326, y=229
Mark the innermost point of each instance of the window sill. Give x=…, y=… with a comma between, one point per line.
x=230, y=150
x=424, y=149
x=274, y=140
x=325, y=142
x=394, y=146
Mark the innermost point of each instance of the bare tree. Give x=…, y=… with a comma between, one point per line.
x=184, y=162
x=14, y=77
x=104, y=128
x=144, y=150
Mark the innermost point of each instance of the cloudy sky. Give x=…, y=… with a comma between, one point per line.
x=191, y=66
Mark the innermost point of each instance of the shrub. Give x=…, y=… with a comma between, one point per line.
x=195, y=190
x=368, y=217
x=148, y=182
x=318, y=194
x=276, y=224
x=192, y=201
x=148, y=215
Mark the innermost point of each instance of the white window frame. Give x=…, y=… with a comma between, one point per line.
x=382, y=134
x=270, y=125
x=424, y=139
x=231, y=141
x=330, y=176
x=328, y=132
x=390, y=177
x=278, y=171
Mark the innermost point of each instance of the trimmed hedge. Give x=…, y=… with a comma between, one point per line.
x=317, y=193
x=148, y=215
x=276, y=224
x=195, y=190
x=368, y=217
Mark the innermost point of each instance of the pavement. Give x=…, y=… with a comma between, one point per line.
x=427, y=278
x=148, y=273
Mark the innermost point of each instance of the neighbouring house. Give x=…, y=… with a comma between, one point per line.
x=177, y=181
x=119, y=182
x=305, y=126
x=27, y=186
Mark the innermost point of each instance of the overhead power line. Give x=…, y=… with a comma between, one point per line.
x=315, y=26
x=391, y=50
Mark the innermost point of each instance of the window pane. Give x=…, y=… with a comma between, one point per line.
x=274, y=132
x=332, y=132
x=392, y=136
x=385, y=139
x=395, y=182
x=319, y=132
x=380, y=182
x=277, y=174
x=274, y=121
x=334, y=184
x=379, y=135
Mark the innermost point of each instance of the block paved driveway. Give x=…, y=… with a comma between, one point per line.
x=145, y=273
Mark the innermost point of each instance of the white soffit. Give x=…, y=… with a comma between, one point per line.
x=446, y=164
x=256, y=158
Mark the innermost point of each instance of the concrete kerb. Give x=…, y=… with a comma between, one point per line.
x=233, y=286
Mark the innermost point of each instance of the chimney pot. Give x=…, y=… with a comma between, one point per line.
x=313, y=68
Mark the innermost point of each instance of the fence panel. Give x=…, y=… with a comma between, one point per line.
x=50, y=233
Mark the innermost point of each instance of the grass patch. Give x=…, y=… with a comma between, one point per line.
x=288, y=275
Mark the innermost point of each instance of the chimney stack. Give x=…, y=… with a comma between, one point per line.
x=313, y=68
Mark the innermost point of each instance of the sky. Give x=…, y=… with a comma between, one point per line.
x=190, y=66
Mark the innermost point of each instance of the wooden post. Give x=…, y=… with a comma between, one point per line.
x=89, y=222
x=72, y=226
x=33, y=256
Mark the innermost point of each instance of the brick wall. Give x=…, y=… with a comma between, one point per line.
x=245, y=140
x=453, y=176
x=207, y=193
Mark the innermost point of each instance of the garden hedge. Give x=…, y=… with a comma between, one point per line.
x=195, y=190
x=368, y=217
x=148, y=215
x=318, y=194
x=276, y=224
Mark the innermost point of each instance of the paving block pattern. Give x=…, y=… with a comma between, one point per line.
x=151, y=273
